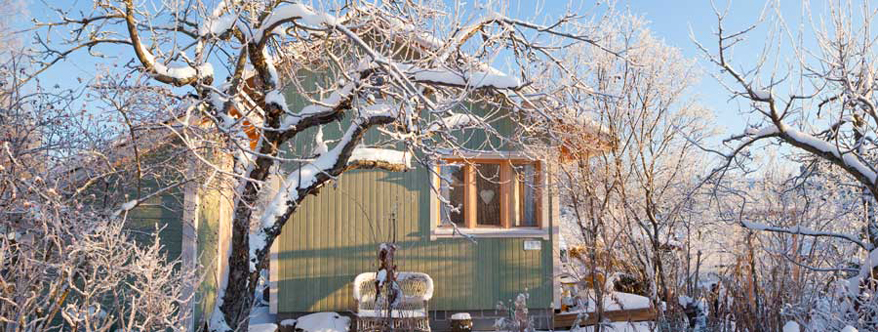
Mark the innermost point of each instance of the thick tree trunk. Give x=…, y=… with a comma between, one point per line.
x=241, y=283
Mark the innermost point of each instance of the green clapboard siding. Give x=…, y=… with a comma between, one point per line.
x=163, y=212
x=335, y=235
x=142, y=223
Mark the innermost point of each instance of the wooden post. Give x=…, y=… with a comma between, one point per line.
x=471, y=194
x=508, y=213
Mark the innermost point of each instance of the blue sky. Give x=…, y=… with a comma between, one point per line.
x=676, y=21
x=670, y=20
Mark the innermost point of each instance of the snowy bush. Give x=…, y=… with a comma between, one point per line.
x=516, y=315
x=63, y=267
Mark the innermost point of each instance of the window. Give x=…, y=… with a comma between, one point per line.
x=489, y=193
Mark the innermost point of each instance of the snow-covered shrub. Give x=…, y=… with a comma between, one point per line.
x=63, y=267
x=67, y=261
x=516, y=315
x=629, y=170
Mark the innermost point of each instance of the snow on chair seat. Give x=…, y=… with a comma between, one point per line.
x=408, y=313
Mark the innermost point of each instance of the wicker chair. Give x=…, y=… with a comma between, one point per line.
x=410, y=313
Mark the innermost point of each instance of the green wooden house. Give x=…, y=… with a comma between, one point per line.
x=508, y=209
x=510, y=212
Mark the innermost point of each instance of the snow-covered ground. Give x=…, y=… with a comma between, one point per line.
x=620, y=327
x=262, y=321
x=619, y=301
x=324, y=322
x=615, y=327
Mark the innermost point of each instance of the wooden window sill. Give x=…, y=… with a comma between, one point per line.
x=492, y=232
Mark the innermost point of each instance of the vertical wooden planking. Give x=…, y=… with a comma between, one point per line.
x=487, y=270
x=520, y=258
x=332, y=268
x=343, y=261
x=305, y=241
x=352, y=234
x=322, y=254
x=297, y=264
x=512, y=268
x=317, y=248
x=313, y=246
x=452, y=277
x=492, y=272
x=464, y=278
x=471, y=278
x=509, y=267
x=515, y=253
x=336, y=241
x=527, y=275
x=365, y=240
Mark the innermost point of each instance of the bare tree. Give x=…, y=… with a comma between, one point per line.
x=818, y=101
x=65, y=264
x=630, y=187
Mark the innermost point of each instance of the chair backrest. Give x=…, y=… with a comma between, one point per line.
x=415, y=286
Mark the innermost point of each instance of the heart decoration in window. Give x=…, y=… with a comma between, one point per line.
x=487, y=196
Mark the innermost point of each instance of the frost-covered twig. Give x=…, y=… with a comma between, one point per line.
x=805, y=231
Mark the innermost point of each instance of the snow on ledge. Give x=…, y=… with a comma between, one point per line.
x=382, y=155
x=448, y=232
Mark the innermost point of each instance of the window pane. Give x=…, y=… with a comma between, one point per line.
x=488, y=194
x=526, y=175
x=452, y=189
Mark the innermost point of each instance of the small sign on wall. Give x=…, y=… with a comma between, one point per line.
x=533, y=245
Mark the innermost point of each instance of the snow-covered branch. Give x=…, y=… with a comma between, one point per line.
x=290, y=12
x=177, y=75
x=377, y=158
x=130, y=205
x=491, y=78
x=805, y=231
